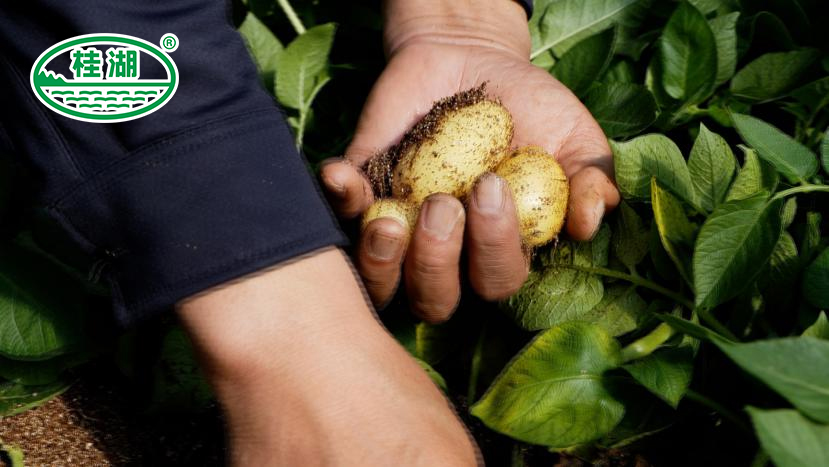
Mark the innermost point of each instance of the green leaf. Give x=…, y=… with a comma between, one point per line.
x=630, y=237
x=666, y=372
x=622, y=109
x=264, y=47
x=38, y=373
x=816, y=281
x=795, y=367
x=687, y=53
x=824, y=151
x=756, y=176
x=652, y=155
x=725, y=35
x=302, y=66
x=706, y=6
x=560, y=292
x=41, y=307
x=773, y=75
x=789, y=438
x=16, y=398
x=567, y=22
x=620, y=311
x=813, y=97
x=732, y=245
x=820, y=329
x=793, y=160
x=580, y=66
x=434, y=341
x=676, y=232
x=712, y=166
x=554, y=392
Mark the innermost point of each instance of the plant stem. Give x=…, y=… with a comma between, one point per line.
x=636, y=280
x=806, y=188
x=645, y=346
x=690, y=394
x=292, y=16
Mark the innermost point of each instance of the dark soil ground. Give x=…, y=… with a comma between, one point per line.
x=98, y=424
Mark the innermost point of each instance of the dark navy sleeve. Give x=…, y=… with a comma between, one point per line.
x=528, y=6
x=206, y=189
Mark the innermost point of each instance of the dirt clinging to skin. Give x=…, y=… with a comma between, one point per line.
x=380, y=167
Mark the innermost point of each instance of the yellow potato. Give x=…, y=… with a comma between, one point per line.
x=400, y=210
x=461, y=137
x=540, y=190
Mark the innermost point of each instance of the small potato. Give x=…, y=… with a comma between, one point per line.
x=540, y=190
x=399, y=210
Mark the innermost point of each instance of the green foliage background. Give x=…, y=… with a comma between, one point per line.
x=689, y=330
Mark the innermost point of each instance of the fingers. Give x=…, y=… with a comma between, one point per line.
x=497, y=264
x=382, y=248
x=348, y=191
x=431, y=268
x=592, y=194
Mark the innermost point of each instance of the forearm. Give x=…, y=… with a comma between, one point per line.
x=267, y=322
x=492, y=23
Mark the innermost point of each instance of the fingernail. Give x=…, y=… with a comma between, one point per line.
x=383, y=246
x=597, y=214
x=440, y=216
x=489, y=193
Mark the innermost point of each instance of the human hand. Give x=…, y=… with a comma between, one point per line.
x=308, y=376
x=437, y=48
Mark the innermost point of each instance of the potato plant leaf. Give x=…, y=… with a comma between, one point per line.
x=820, y=328
x=565, y=23
x=789, y=438
x=735, y=240
x=622, y=109
x=554, y=392
x=772, y=75
x=263, y=46
x=41, y=307
x=797, y=368
x=687, y=54
x=629, y=241
x=580, y=66
x=712, y=166
x=301, y=67
x=562, y=290
x=666, y=372
x=652, y=155
x=725, y=35
x=16, y=398
x=793, y=160
x=756, y=176
x=824, y=151
x=676, y=232
x=816, y=281
x=620, y=311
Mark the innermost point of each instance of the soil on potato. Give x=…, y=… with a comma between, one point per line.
x=96, y=423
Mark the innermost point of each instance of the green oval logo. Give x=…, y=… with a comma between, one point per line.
x=106, y=84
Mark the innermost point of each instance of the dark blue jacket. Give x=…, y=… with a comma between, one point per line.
x=206, y=189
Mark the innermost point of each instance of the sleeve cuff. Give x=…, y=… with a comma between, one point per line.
x=197, y=210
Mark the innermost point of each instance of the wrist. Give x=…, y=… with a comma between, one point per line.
x=498, y=24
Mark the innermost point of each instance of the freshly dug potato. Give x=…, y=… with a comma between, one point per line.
x=539, y=190
x=461, y=137
x=400, y=210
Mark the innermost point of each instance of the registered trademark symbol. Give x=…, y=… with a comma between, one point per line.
x=169, y=42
